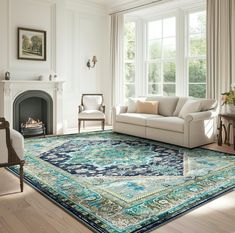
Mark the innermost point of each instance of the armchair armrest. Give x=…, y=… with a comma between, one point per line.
x=80, y=108
x=102, y=108
x=119, y=109
x=199, y=116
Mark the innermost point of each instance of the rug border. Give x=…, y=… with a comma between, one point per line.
x=28, y=182
x=149, y=227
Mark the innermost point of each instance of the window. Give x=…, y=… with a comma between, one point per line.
x=165, y=53
x=161, y=50
x=130, y=59
x=196, y=54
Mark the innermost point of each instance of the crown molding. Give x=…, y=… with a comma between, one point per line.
x=93, y=7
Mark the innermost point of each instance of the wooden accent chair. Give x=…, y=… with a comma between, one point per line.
x=12, y=148
x=91, y=109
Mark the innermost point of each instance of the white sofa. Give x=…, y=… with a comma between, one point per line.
x=193, y=129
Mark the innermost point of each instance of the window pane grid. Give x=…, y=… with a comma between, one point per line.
x=161, y=56
x=196, y=54
x=129, y=59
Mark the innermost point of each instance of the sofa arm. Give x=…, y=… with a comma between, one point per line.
x=119, y=109
x=199, y=116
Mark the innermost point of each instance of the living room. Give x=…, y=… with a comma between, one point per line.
x=156, y=71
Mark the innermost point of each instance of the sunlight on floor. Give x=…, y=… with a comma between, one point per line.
x=223, y=203
x=87, y=129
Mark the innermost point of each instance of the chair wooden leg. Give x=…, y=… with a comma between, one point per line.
x=79, y=126
x=21, y=177
x=103, y=121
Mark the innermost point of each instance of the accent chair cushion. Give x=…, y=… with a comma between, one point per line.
x=167, y=123
x=190, y=106
x=3, y=146
x=91, y=114
x=148, y=107
x=92, y=102
x=167, y=104
x=17, y=142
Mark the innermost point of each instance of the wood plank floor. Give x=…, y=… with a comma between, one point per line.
x=30, y=212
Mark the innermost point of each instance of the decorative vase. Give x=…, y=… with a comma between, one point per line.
x=231, y=109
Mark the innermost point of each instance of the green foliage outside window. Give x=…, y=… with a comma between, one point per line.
x=154, y=72
x=129, y=51
x=169, y=71
x=197, y=50
x=197, y=71
x=161, y=55
x=197, y=90
x=169, y=89
x=129, y=90
x=129, y=32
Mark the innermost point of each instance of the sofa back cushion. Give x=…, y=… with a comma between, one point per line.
x=148, y=107
x=207, y=104
x=167, y=104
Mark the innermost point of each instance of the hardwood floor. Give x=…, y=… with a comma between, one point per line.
x=30, y=212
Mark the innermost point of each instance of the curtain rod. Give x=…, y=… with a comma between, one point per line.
x=138, y=7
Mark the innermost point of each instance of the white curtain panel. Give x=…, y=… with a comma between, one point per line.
x=220, y=46
x=116, y=57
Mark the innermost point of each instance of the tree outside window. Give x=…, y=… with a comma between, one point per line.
x=129, y=58
x=196, y=59
x=161, y=56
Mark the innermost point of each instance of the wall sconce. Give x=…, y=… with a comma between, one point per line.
x=89, y=63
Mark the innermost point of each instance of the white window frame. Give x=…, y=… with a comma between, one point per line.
x=161, y=60
x=182, y=75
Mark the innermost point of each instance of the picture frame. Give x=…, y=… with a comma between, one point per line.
x=31, y=44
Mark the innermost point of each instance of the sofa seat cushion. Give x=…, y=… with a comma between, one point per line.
x=91, y=114
x=167, y=123
x=135, y=118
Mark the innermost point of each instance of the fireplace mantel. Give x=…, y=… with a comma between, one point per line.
x=10, y=89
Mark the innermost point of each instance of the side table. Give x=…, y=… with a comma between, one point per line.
x=221, y=126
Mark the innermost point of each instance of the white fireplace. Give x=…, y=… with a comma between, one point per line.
x=10, y=90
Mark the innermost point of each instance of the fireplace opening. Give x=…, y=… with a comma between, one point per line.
x=33, y=128
x=33, y=113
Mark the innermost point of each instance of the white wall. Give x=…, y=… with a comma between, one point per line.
x=76, y=30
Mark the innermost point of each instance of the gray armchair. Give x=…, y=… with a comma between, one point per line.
x=91, y=109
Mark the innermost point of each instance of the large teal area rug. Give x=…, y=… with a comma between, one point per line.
x=121, y=184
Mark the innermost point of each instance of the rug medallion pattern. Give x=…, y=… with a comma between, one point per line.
x=123, y=184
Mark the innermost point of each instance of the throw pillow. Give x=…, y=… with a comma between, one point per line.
x=132, y=104
x=190, y=106
x=179, y=106
x=148, y=107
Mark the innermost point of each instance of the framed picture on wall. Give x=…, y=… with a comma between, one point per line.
x=31, y=44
